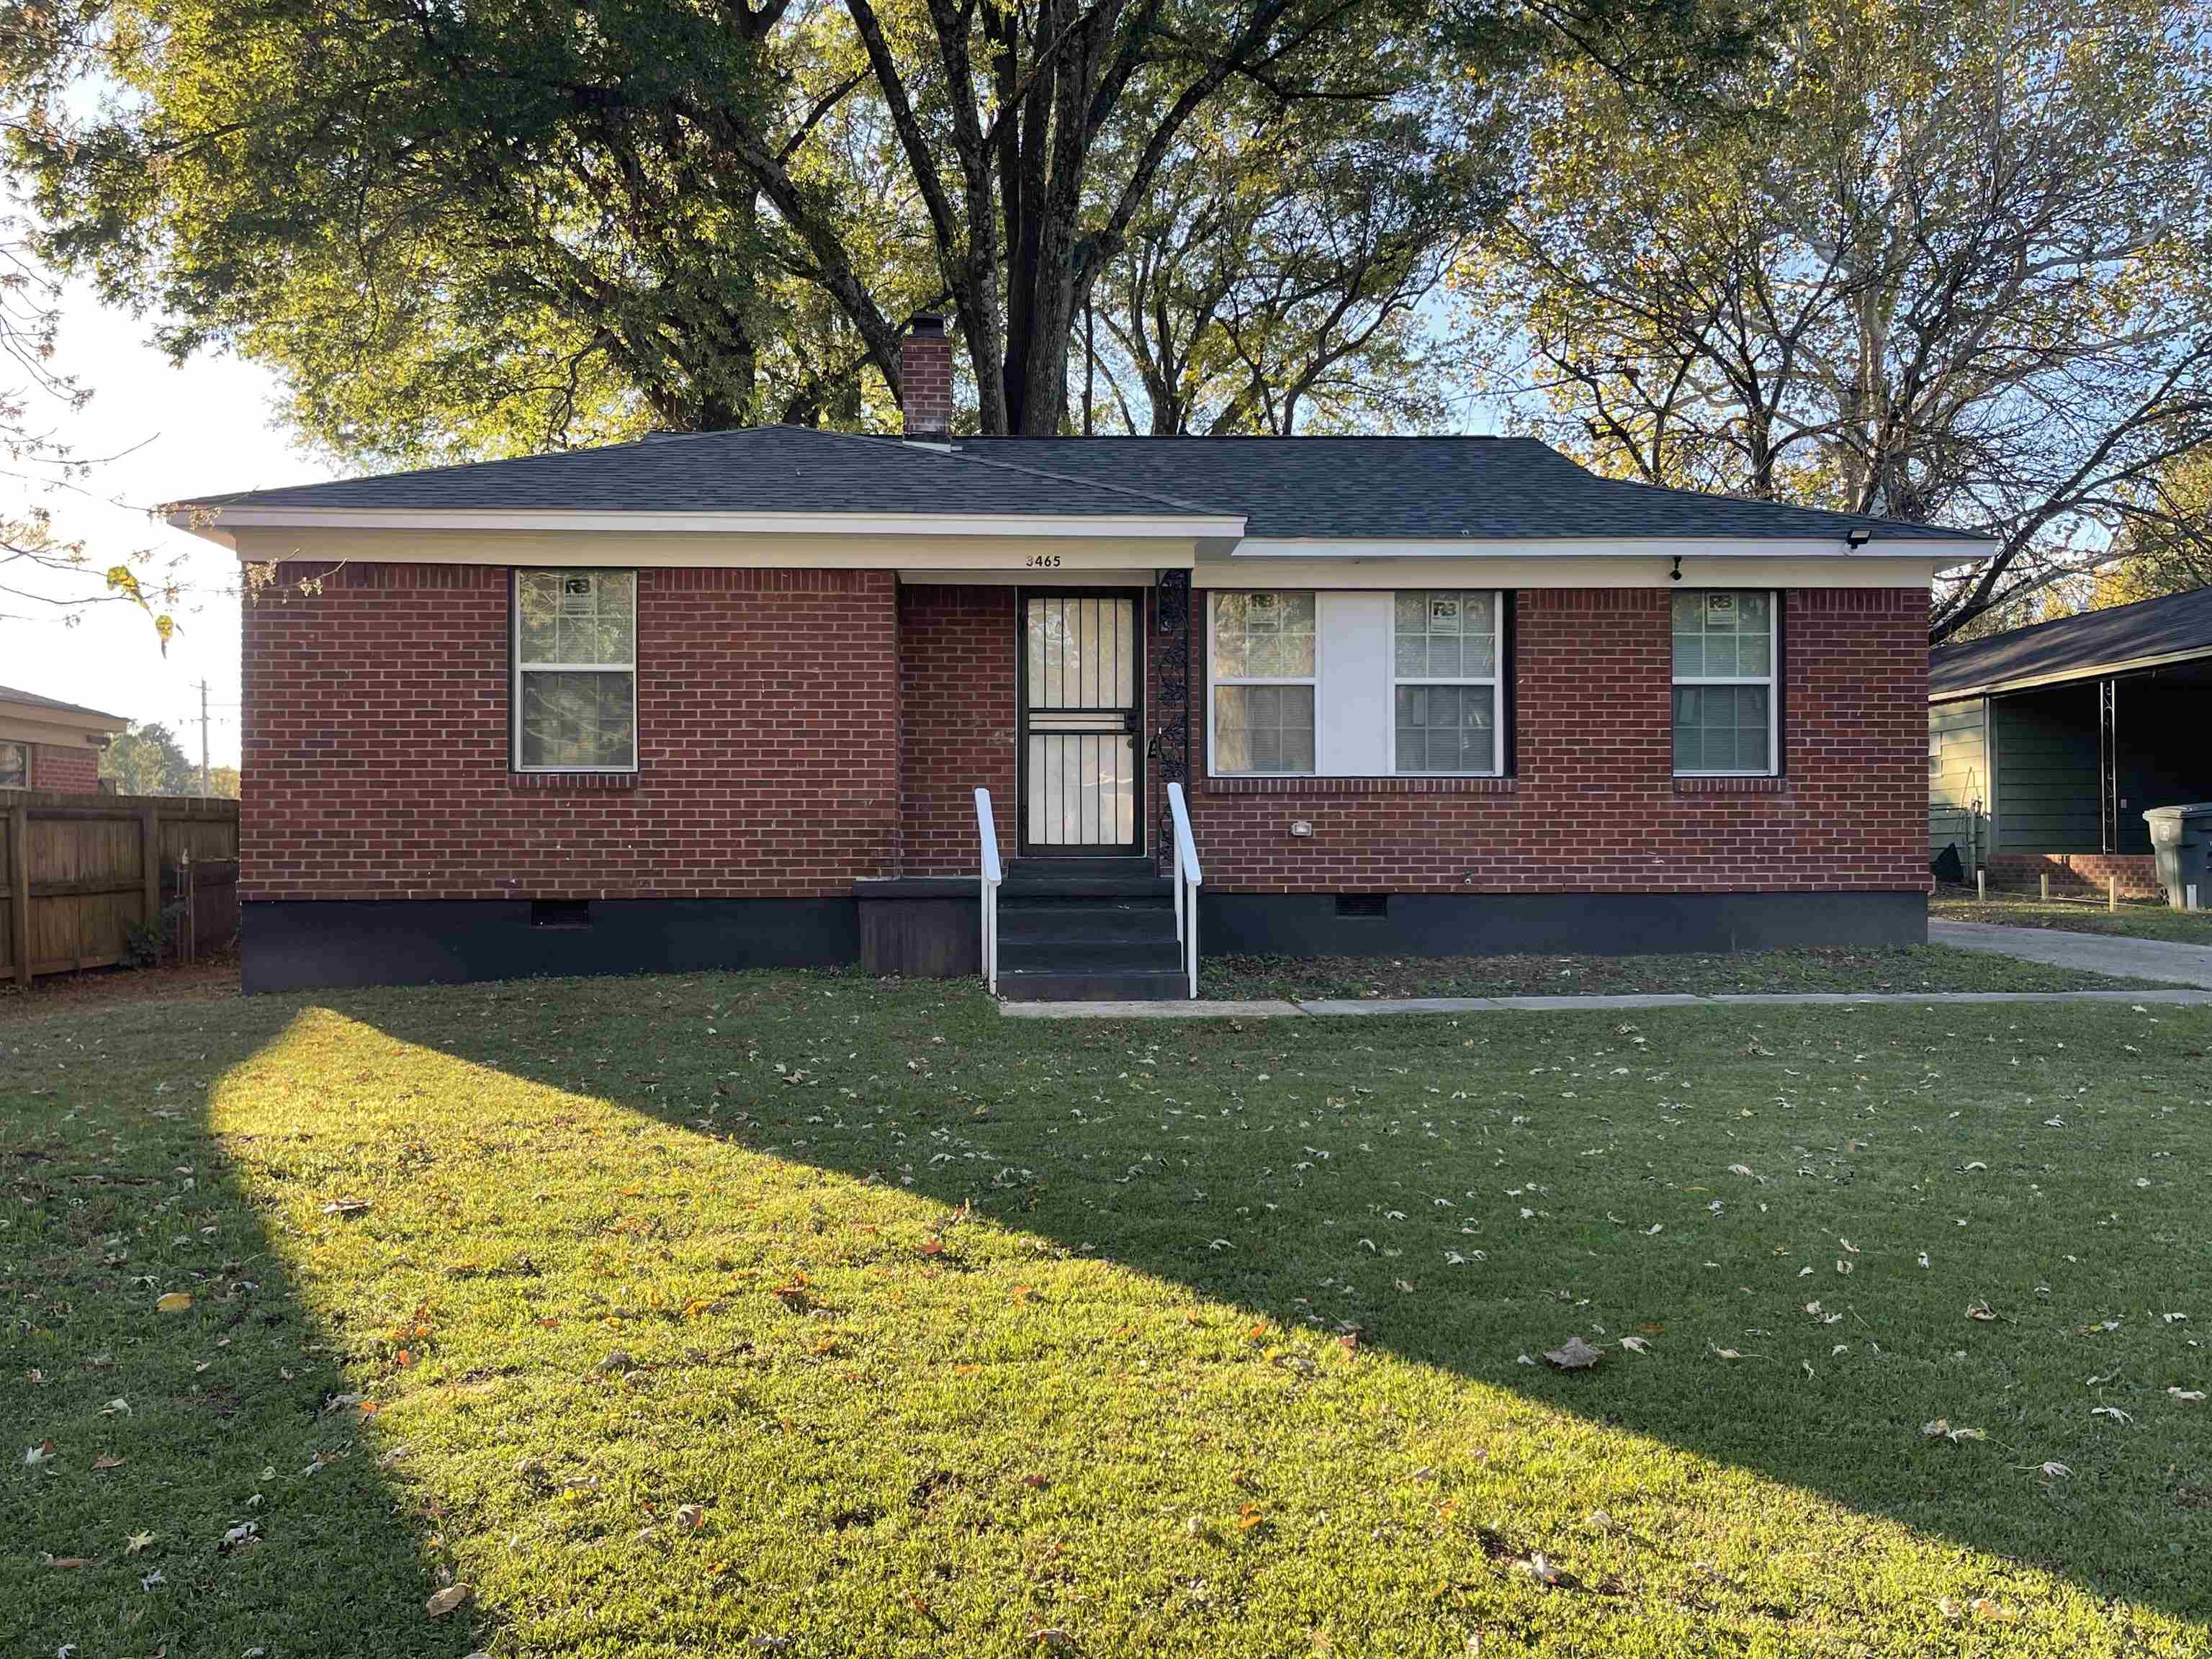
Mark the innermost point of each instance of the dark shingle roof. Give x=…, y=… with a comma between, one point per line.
x=33, y=700
x=1513, y=489
x=1508, y=488
x=2168, y=627
x=768, y=469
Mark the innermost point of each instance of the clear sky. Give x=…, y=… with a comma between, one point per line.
x=205, y=427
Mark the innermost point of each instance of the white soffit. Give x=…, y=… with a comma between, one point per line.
x=1948, y=552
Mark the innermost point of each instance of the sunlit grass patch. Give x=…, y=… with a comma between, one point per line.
x=839, y=1318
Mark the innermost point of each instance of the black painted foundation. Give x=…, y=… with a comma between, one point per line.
x=324, y=943
x=1562, y=924
x=923, y=929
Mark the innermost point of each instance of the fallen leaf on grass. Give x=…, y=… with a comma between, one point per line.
x=175, y=1301
x=41, y=1453
x=1574, y=1355
x=446, y=1600
x=2113, y=1412
x=69, y=1561
x=346, y=1206
x=1981, y=1310
x=1635, y=1345
x=1543, y=1571
x=1940, y=1429
x=690, y=1517
x=2187, y=1396
x=137, y=1542
x=2053, y=1471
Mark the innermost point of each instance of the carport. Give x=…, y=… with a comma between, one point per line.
x=2046, y=744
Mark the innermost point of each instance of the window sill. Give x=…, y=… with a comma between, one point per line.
x=1731, y=786
x=1375, y=786
x=569, y=783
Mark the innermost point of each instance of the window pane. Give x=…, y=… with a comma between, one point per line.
x=538, y=604
x=1721, y=728
x=1263, y=728
x=15, y=766
x=1447, y=728
x=577, y=616
x=577, y=720
x=1263, y=635
x=1723, y=634
x=1442, y=635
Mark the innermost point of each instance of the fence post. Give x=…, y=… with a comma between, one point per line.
x=2046, y=886
x=1982, y=885
x=2111, y=892
x=149, y=861
x=188, y=943
x=18, y=892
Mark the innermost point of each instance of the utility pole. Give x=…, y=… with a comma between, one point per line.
x=204, y=791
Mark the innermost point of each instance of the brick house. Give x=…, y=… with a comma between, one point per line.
x=48, y=744
x=727, y=700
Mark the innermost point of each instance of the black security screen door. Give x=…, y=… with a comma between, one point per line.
x=1083, y=666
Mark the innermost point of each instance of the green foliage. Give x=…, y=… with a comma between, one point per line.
x=457, y=231
x=144, y=943
x=147, y=760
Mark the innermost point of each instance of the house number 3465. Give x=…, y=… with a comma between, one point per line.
x=1044, y=561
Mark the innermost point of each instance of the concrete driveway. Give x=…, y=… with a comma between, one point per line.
x=2099, y=953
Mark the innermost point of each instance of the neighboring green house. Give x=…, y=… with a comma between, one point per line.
x=2046, y=744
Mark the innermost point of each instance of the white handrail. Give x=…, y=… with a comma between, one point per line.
x=1188, y=877
x=987, y=830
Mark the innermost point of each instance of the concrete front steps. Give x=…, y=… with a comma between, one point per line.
x=1087, y=930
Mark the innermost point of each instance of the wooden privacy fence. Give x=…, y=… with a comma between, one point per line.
x=86, y=875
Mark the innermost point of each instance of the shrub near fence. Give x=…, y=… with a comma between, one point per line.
x=93, y=880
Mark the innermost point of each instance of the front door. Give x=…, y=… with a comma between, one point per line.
x=1082, y=675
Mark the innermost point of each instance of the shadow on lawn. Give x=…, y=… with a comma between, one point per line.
x=227, y=1425
x=943, y=1056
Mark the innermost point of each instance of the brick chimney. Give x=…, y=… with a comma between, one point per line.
x=926, y=380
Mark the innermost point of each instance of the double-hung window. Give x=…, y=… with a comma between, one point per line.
x=1725, y=719
x=1444, y=683
x=1262, y=651
x=15, y=766
x=575, y=670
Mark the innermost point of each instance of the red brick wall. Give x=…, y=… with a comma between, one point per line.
x=2075, y=874
x=72, y=771
x=958, y=671
x=376, y=736
x=926, y=382
x=1594, y=805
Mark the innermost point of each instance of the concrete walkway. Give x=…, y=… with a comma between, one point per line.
x=2100, y=953
x=1271, y=1010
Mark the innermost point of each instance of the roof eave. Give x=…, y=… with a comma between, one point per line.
x=217, y=523
x=2064, y=676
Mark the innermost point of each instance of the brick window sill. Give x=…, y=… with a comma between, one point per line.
x=1731, y=786
x=570, y=783
x=1379, y=786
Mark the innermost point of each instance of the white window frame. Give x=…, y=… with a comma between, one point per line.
x=520, y=667
x=16, y=743
x=1212, y=680
x=1772, y=680
x=1496, y=682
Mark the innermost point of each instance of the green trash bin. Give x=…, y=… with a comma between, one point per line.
x=2181, y=842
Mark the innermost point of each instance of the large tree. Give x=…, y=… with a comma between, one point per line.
x=46, y=575
x=518, y=224
x=1954, y=267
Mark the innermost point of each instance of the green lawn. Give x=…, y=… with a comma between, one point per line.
x=2135, y=919
x=1908, y=968
x=980, y=1337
